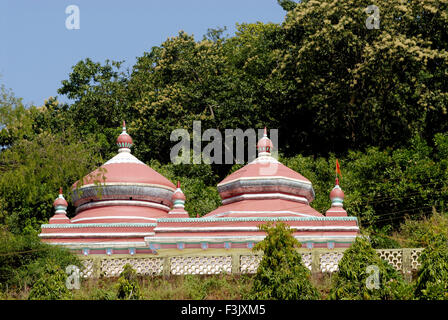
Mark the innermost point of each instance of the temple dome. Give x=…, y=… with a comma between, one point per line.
x=123, y=181
x=266, y=177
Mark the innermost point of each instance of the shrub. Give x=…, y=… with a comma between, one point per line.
x=128, y=287
x=24, y=259
x=350, y=282
x=51, y=285
x=281, y=274
x=418, y=233
x=432, y=281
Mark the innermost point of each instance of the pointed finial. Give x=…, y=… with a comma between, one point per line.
x=264, y=145
x=124, y=140
x=178, y=184
x=337, y=181
x=60, y=190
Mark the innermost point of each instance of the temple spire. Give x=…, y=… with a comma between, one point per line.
x=264, y=145
x=337, y=202
x=124, y=140
x=60, y=205
x=179, y=203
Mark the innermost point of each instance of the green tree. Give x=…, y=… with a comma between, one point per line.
x=32, y=170
x=127, y=286
x=281, y=274
x=24, y=259
x=51, y=285
x=352, y=279
x=287, y=5
x=365, y=87
x=432, y=281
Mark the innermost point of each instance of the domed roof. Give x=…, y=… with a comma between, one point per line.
x=337, y=193
x=266, y=175
x=123, y=182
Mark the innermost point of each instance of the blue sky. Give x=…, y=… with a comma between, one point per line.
x=37, y=51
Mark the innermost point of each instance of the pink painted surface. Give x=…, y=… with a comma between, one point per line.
x=127, y=173
x=135, y=214
x=264, y=170
x=253, y=205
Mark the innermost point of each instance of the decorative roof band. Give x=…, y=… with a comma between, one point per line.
x=257, y=219
x=98, y=225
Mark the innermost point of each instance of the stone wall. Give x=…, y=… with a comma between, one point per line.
x=235, y=261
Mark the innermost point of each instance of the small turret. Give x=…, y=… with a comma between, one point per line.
x=179, y=203
x=60, y=205
x=264, y=145
x=124, y=140
x=337, y=202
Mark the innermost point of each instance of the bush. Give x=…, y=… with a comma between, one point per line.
x=350, y=282
x=128, y=287
x=418, y=233
x=432, y=281
x=24, y=259
x=51, y=285
x=281, y=274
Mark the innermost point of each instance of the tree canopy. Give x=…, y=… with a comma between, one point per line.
x=373, y=98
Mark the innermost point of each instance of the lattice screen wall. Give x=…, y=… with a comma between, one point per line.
x=394, y=257
x=247, y=263
x=201, y=265
x=87, y=270
x=143, y=266
x=328, y=262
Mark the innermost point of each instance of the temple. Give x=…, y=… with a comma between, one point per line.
x=126, y=207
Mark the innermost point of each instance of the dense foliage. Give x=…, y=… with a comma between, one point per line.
x=51, y=285
x=281, y=274
x=24, y=259
x=354, y=276
x=127, y=286
x=375, y=99
x=432, y=281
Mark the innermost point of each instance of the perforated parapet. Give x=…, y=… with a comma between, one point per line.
x=393, y=256
x=250, y=263
x=87, y=269
x=307, y=260
x=201, y=265
x=329, y=261
x=143, y=266
x=415, y=254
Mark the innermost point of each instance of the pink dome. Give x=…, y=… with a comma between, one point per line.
x=178, y=194
x=265, y=144
x=60, y=201
x=124, y=140
x=337, y=193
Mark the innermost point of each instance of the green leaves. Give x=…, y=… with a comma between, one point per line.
x=127, y=286
x=432, y=281
x=350, y=282
x=281, y=274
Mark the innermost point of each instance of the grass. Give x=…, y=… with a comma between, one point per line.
x=188, y=287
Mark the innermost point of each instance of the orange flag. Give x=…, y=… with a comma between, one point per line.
x=338, y=170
